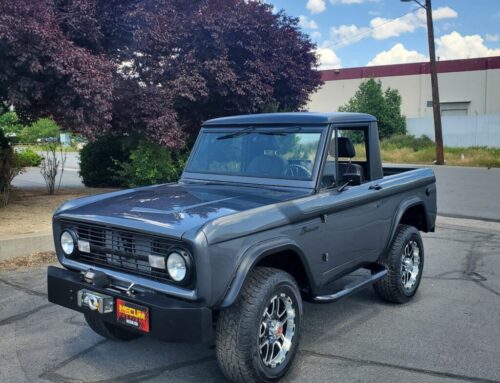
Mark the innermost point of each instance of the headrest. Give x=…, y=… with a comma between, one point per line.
x=345, y=147
x=265, y=142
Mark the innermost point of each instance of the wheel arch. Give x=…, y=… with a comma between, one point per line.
x=282, y=254
x=411, y=212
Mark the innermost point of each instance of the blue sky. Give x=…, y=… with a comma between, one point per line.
x=378, y=32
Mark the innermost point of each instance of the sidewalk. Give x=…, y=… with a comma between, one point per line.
x=25, y=244
x=70, y=180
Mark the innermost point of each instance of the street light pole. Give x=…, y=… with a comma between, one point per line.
x=436, y=106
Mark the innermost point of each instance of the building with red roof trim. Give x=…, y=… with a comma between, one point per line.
x=469, y=92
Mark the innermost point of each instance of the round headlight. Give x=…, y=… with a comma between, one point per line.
x=176, y=266
x=67, y=242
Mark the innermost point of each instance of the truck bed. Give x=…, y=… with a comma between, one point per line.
x=392, y=170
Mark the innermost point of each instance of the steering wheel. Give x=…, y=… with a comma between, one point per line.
x=297, y=171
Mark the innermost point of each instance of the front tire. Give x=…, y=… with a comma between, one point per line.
x=405, y=263
x=109, y=330
x=257, y=338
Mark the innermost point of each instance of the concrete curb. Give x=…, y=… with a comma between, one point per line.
x=25, y=244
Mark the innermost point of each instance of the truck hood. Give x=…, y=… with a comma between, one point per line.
x=172, y=209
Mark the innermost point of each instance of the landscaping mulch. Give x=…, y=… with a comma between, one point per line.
x=36, y=259
x=30, y=210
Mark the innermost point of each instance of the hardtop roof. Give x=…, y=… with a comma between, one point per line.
x=300, y=118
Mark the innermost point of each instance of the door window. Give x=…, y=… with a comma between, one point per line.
x=347, y=154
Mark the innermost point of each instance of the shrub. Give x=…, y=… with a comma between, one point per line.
x=151, y=164
x=52, y=165
x=100, y=161
x=28, y=157
x=407, y=141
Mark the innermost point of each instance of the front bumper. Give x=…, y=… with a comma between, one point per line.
x=171, y=320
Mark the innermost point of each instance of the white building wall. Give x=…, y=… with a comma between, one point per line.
x=470, y=103
x=480, y=88
x=460, y=131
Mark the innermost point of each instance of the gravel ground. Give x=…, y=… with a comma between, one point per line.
x=450, y=332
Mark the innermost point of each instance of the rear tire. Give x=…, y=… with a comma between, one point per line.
x=405, y=262
x=257, y=338
x=109, y=330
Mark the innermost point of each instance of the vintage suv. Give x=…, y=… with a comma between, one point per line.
x=271, y=209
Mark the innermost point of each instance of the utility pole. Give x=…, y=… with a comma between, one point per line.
x=436, y=106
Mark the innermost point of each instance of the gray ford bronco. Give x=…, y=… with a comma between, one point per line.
x=271, y=209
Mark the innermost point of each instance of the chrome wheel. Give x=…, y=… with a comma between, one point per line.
x=410, y=265
x=277, y=329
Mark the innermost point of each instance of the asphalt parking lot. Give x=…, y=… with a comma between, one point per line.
x=450, y=332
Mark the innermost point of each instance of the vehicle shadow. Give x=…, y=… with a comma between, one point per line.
x=155, y=361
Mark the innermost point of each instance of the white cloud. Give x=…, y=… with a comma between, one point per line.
x=316, y=35
x=347, y=1
x=328, y=59
x=398, y=54
x=493, y=38
x=382, y=28
x=455, y=46
x=306, y=23
x=439, y=14
x=316, y=6
x=353, y=1
x=449, y=47
x=386, y=28
x=348, y=34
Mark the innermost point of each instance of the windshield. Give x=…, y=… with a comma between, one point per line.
x=272, y=153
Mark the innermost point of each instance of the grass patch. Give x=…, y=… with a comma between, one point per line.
x=412, y=150
x=40, y=148
x=475, y=156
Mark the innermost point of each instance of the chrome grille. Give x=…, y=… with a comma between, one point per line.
x=122, y=250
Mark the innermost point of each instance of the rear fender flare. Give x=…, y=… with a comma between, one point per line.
x=401, y=210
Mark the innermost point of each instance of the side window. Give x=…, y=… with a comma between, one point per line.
x=351, y=150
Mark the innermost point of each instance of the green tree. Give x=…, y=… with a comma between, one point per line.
x=385, y=106
x=9, y=123
x=42, y=128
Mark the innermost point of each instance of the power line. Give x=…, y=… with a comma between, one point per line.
x=339, y=43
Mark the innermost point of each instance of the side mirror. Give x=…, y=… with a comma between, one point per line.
x=353, y=179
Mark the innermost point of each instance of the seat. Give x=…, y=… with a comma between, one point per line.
x=346, y=150
x=267, y=166
x=264, y=163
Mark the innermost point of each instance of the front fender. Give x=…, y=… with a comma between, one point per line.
x=252, y=256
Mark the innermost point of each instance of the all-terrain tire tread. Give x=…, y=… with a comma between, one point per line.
x=232, y=340
x=388, y=288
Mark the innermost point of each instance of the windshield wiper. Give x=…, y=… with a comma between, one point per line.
x=291, y=129
x=251, y=129
x=243, y=132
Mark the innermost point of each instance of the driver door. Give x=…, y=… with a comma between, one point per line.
x=353, y=222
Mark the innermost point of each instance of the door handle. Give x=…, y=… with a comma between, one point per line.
x=375, y=187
